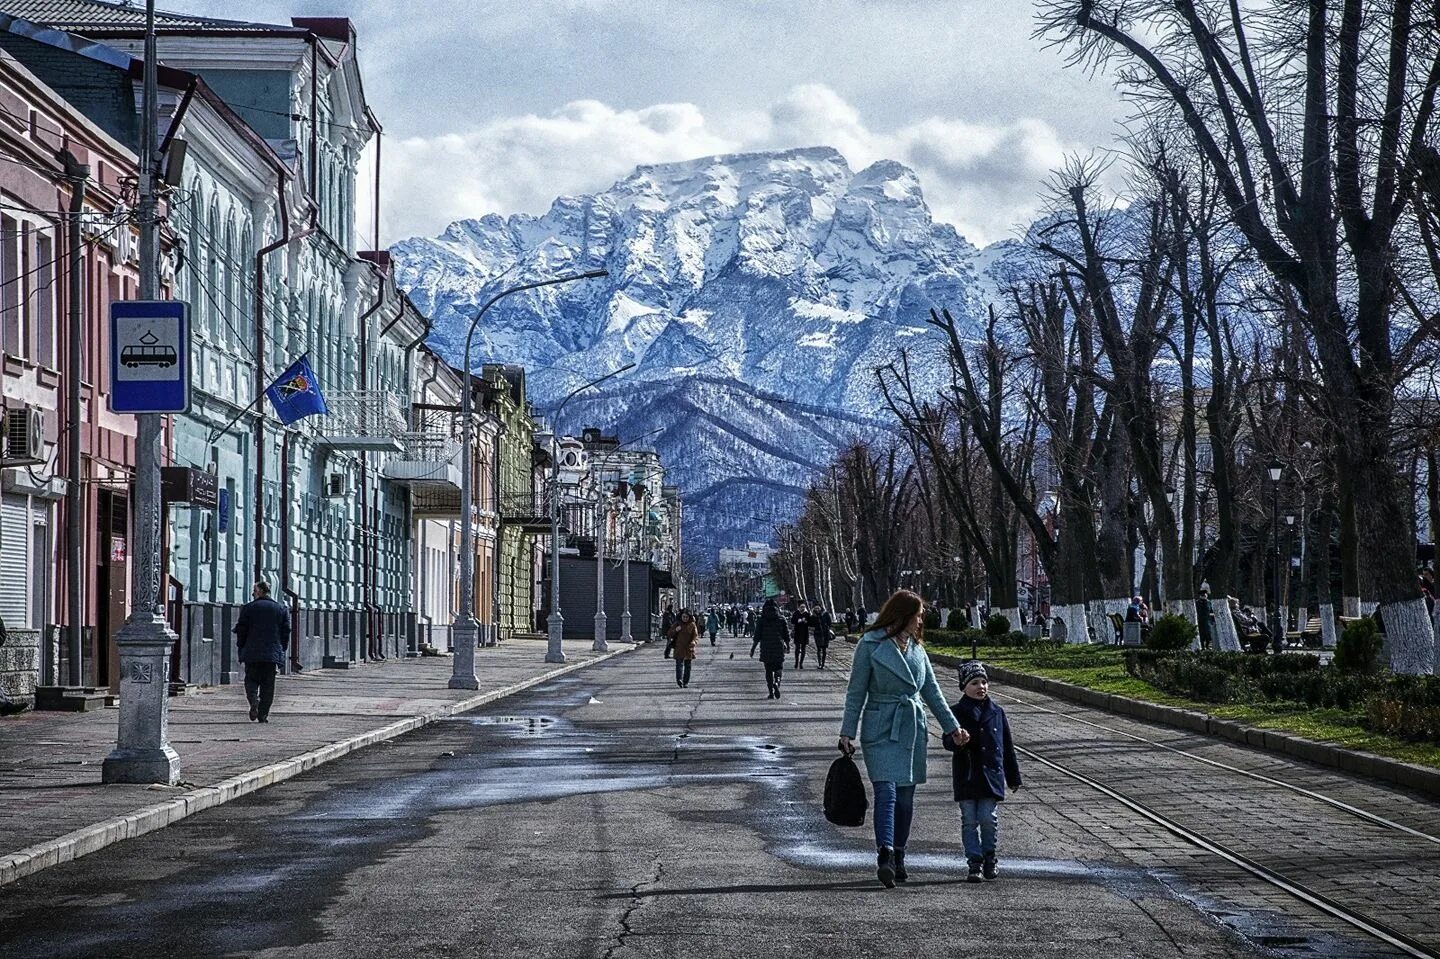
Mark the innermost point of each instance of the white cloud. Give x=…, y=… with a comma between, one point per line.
x=985, y=178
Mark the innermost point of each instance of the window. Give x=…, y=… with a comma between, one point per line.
x=10, y=329
x=44, y=305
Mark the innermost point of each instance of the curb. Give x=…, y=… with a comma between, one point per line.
x=1419, y=778
x=93, y=838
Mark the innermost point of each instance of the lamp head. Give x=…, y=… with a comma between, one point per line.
x=1275, y=469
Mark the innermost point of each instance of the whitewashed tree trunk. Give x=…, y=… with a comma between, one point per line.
x=1368, y=608
x=1224, y=636
x=1071, y=619
x=1350, y=606
x=1410, y=637
x=1012, y=614
x=1100, y=611
x=1328, y=634
x=975, y=616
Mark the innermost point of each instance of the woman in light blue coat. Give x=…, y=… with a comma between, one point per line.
x=889, y=680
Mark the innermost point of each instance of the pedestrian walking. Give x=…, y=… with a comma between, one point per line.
x=262, y=634
x=684, y=637
x=982, y=769
x=822, y=630
x=772, y=638
x=800, y=628
x=891, y=683
x=667, y=619
x=712, y=624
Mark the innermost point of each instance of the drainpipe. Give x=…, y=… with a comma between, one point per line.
x=77, y=174
x=285, y=587
x=285, y=237
x=259, y=504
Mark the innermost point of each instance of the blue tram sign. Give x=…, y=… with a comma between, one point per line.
x=150, y=356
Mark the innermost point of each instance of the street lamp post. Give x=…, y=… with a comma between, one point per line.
x=142, y=752
x=465, y=627
x=555, y=647
x=625, y=635
x=601, y=622
x=1276, y=469
x=1289, y=580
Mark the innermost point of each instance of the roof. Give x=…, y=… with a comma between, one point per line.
x=92, y=17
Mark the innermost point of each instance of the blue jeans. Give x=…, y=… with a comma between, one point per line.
x=979, y=821
x=894, y=808
x=682, y=671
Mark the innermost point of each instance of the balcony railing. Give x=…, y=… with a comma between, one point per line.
x=426, y=459
x=364, y=420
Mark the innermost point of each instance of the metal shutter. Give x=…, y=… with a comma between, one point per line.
x=15, y=560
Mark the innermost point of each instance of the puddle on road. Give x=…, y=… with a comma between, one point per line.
x=532, y=756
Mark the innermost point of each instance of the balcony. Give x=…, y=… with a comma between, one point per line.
x=426, y=459
x=368, y=420
x=428, y=463
x=530, y=511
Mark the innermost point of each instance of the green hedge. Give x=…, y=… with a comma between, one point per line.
x=1238, y=678
x=1406, y=706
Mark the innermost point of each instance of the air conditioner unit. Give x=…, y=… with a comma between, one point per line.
x=337, y=485
x=24, y=437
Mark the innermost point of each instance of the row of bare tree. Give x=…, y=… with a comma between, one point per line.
x=1262, y=292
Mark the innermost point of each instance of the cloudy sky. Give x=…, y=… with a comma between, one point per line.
x=499, y=106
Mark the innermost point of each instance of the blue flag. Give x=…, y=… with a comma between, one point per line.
x=296, y=393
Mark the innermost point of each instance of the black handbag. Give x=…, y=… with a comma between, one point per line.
x=845, y=799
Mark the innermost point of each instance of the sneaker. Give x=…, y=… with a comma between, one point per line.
x=988, y=867
x=976, y=874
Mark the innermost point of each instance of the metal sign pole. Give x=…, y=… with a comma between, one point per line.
x=142, y=752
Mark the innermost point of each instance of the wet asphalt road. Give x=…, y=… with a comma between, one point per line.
x=607, y=813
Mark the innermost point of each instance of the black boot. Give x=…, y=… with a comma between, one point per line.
x=900, y=874
x=988, y=866
x=885, y=868
x=975, y=870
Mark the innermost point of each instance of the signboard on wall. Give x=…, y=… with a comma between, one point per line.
x=149, y=356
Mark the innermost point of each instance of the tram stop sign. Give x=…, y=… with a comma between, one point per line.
x=150, y=356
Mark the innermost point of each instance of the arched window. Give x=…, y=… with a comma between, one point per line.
x=231, y=298
x=213, y=250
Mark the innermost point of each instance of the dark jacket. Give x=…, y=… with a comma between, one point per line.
x=800, y=626
x=822, y=628
x=263, y=632
x=984, y=766
x=772, y=636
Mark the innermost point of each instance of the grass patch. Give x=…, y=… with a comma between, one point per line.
x=1102, y=668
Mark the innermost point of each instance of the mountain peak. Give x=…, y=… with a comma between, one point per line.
x=755, y=292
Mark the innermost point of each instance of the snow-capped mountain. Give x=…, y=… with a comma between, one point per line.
x=755, y=293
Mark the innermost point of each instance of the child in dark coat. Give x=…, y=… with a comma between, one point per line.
x=982, y=769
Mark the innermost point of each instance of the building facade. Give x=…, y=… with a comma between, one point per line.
x=40, y=376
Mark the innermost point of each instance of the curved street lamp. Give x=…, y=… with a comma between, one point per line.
x=465, y=627
x=1276, y=469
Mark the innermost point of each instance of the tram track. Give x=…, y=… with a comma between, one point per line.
x=1291, y=886
x=1364, y=814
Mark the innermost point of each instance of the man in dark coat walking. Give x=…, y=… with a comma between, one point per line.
x=262, y=635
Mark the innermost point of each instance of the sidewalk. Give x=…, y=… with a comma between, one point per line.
x=53, y=807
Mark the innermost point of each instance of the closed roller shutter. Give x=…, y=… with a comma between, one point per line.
x=15, y=534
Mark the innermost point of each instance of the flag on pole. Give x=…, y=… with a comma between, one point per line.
x=296, y=393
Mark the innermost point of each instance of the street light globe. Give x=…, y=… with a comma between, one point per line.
x=1275, y=469
x=1289, y=519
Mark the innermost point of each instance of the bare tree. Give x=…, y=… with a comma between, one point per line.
x=1319, y=198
